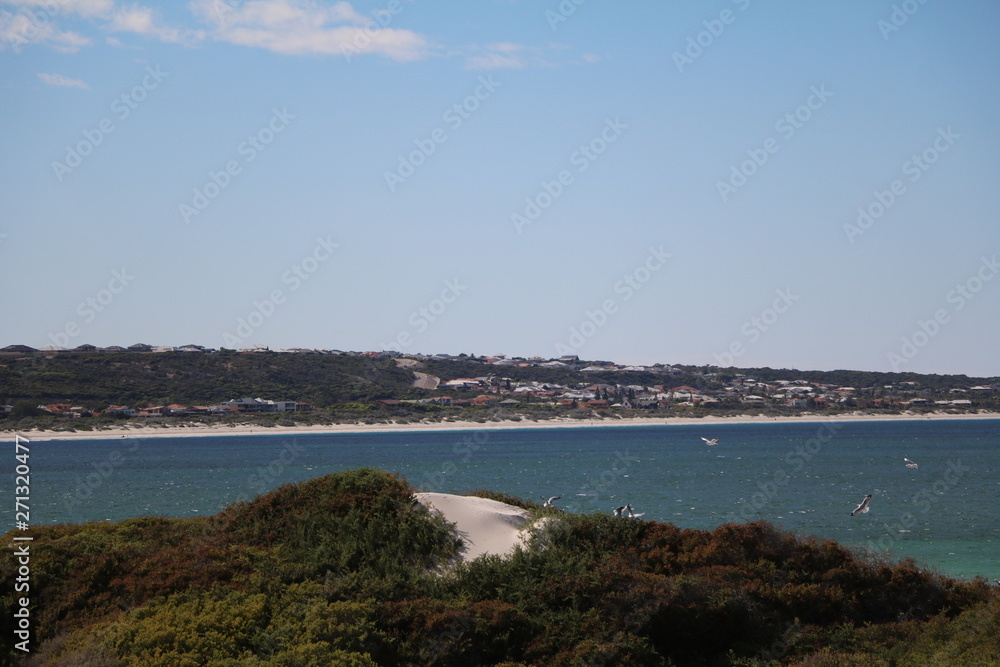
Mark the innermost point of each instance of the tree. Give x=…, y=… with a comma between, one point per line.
x=24, y=409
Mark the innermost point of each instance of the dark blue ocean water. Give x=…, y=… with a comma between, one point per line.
x=805, y=477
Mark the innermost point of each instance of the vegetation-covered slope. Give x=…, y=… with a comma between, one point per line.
x=339, y=571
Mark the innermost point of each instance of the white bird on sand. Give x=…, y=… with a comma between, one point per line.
x=551, y=501
x=863, y=507
x=909, y=463
x=713, y=441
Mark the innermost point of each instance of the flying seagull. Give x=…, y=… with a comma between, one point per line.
x=631, y=514
x=909, y=463
x=863, y=507
x=619, y=510
x=551, y=501
x=713, y=441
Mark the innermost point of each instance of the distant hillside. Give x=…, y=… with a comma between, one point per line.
x=98, y=380
x=349, y=387
x=847, y=378
x=340, y=570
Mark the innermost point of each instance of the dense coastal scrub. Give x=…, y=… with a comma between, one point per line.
x=347, y=570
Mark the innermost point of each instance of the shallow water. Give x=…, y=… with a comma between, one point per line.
x=805, y=477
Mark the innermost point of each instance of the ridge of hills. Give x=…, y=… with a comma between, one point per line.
x=328, y=379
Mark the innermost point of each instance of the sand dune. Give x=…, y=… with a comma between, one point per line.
x=485, y=526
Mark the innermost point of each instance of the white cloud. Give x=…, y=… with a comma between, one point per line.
x=305, y=27
x=505, y=55
x=24, y=28
x=36, y=22
x=144, y=21
x=60, y=80
x=494, y=61
x=53, y=8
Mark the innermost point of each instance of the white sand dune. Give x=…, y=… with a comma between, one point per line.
x=485, y=526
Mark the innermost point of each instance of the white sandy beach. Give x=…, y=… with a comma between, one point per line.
x=203, y=430
x=485, y=526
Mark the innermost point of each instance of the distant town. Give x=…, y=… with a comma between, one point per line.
x=598, y=388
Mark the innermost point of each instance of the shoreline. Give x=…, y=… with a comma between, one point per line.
x=214, y=430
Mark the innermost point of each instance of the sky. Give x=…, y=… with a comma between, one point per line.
x=733, y=183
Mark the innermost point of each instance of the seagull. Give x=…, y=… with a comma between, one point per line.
x=631, y=514
x=619, y=510
x=713, y=441
x=909, y=463
x=551, y=501
x=863, y=507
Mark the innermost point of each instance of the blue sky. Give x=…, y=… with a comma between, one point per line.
x=809, y=186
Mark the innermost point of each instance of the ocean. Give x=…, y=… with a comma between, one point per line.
x=804, y=477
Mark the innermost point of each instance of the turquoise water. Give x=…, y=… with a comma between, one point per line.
x=805, y=477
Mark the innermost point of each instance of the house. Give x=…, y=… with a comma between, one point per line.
x=123, y=410
x=17, y=351
x=462, y=383
x=484, y=401
x=154, y=411
x=86, y=347
x=256, y=405
x=443, y=401
x=57, y=408
x=140, y=347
